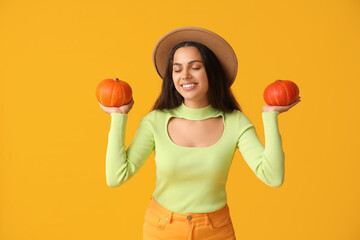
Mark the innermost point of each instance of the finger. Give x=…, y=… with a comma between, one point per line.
x=296, y=102
x=102, y=106
x=131, y=103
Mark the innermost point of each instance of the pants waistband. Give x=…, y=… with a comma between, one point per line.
x=191, y=217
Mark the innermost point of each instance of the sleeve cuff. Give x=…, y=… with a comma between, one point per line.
x=270, y=120
x=270, y=115
x=118, y=122
x=117, y=114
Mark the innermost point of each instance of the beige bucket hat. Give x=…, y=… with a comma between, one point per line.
x=220, y=47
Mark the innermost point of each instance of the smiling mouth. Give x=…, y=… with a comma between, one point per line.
x=189, y=85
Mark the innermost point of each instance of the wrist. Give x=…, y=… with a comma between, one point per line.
x=120, y=112
x=267, y=108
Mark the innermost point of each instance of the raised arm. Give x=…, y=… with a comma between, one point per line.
x=266, y=162
x=122, y=163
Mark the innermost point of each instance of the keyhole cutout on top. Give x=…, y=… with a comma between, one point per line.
x=195, y=133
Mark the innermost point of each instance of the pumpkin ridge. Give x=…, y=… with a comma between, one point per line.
x=277, y=94
x=123, y=93
x=113, y=95
x=270, y=98
x=101, y=95
x=287, y=93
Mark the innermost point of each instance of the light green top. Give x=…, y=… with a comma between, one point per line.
x=193, y=179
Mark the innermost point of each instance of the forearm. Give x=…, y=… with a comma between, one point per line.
x=266, y=162
x=118, y=169
x=273, y=156
x=122, y=163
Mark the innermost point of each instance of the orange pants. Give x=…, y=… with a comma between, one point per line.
x=163, y=224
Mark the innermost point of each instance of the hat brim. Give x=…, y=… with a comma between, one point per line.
x=214, y=42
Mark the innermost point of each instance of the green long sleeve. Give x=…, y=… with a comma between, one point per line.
x=193, y=179
x=266, y=162
x=122, y=164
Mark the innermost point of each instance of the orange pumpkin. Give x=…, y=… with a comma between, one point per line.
x=281, y=93
x=113, y=93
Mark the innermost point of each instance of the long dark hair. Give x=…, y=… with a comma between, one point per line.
x=219, y=93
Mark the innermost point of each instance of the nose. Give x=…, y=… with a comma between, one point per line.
x=186, y=75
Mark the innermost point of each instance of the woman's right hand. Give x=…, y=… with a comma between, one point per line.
x=125, y=109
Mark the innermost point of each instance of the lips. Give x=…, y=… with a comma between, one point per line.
x=188, y=86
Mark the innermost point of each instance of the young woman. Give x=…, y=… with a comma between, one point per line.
x=194, y=128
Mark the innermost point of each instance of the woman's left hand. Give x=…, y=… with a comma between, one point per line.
x=280, y=109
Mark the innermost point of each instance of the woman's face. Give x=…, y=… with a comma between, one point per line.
x=189, y=76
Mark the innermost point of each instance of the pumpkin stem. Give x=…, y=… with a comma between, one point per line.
x=116, y=79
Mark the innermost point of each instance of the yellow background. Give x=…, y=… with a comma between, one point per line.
x=54, y=134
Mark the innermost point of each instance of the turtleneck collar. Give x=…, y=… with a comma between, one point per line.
x=209, y=111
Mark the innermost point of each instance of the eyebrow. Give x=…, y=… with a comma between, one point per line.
x=189, y=62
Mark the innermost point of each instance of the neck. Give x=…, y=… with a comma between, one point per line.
x=196, y=104
x=201, y=113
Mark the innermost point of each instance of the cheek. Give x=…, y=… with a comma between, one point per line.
x=175, y=77
x=174, y=80
x=205, y=80
x=207, y=87
x=176, y=83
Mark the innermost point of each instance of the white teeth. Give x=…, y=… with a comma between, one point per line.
x=188, y=85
